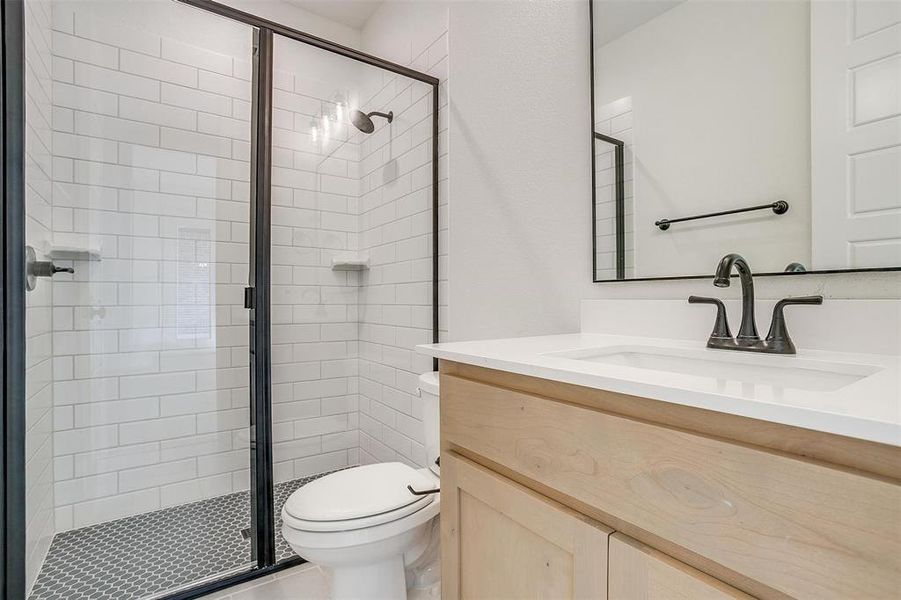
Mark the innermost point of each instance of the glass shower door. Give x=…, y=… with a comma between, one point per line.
x=138, y=179
x=151, y=465
x=351, y=264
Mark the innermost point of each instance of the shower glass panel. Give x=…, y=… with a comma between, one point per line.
x=138, y=169
x=351, y=264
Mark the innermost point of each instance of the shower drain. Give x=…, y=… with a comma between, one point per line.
x=245, y=533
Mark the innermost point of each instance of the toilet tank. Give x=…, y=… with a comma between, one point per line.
x=428, y=391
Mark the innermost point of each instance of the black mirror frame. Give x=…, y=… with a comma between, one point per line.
x=620, y=202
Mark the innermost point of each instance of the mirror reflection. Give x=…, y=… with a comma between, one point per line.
x=771, y=129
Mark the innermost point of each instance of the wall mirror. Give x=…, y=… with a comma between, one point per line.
x=767, y=128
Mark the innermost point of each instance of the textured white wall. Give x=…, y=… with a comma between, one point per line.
x=520, y=167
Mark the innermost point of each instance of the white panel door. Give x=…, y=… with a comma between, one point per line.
x=855, y=67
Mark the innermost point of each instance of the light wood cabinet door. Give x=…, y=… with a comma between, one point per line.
x=777, y=525
x=638, y=572
x=501, y=541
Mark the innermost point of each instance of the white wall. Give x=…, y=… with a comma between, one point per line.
x=298, y=18
x=520, y=167
x=520, y=187
x=705, y=77
x=400, y=30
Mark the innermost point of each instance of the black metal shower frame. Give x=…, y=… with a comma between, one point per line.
x=619, y=205
x=12, y=300
x=257, y=296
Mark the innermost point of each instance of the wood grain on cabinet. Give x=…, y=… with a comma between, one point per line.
x=798, y=527
x=502, y=540
x=639, y=572
x=863, y=455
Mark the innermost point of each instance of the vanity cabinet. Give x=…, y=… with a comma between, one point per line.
x=703, y=504
x=502, y=540
x=639, y=572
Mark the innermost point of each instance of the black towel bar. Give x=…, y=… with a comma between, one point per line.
x=780, y=207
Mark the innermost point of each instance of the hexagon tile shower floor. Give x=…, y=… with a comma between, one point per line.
x=146, y=555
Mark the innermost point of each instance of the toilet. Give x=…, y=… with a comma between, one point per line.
x=374, y=526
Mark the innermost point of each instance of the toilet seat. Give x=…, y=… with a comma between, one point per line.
x=358, y=498
x=365, y=526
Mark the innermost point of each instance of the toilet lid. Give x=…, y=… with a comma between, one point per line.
x=360, y=492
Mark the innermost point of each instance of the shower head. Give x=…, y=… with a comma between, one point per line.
x=363, y=121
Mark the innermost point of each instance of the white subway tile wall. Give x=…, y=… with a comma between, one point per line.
x=396, y=231
x=613, y=119
x=151, y=167
x=314, y=308
x=150, y=357
x=39, y=417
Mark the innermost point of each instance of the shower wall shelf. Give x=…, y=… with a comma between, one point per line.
x=73, y=253
x=350, y=262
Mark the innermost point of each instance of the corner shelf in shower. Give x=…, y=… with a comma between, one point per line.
x=73, y=253
x=350, y=262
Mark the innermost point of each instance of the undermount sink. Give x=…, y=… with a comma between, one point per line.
x=724, y=367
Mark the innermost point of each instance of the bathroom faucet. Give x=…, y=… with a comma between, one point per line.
x=747, y=333
x=777, y=340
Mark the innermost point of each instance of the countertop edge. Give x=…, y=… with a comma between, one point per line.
x=827, y=422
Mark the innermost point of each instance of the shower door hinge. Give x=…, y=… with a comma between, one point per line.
x=248, y=297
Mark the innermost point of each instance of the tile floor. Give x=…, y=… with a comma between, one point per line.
x=148, y=554
x=306, y=582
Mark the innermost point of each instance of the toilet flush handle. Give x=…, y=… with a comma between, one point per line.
x=422, y=493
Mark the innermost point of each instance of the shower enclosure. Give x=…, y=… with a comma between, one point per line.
x=243, y=221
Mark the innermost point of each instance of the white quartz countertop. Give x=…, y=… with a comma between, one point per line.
x=854, y=395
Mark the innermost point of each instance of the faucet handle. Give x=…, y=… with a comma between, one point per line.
x=778, y=338
x=721, y=325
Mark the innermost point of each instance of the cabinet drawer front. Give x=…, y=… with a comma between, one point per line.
x=800, y=528
x=501, y=540
x=638, y=572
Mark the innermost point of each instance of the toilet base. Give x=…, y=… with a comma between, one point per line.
x=370, y=563
x=383, y=579
x=424, y=565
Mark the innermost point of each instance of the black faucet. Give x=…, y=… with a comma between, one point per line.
x=777, y=340
x=747, y=333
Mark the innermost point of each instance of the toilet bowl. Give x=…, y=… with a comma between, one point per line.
x=369, y=524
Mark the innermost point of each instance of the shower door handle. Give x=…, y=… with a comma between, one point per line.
x=39, y=268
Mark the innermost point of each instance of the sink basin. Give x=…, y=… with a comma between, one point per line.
x=728, y=367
